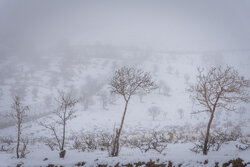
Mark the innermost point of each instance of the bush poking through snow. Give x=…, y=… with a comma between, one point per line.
x=77, y=144
x=50, y=143
x=6, y=144
x=149, y=141
x=106, y=142
x=244, y=144
x=216, y=140
x=94, y=141
x=85, y=142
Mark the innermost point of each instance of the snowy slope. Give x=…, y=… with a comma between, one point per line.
x=87, y=76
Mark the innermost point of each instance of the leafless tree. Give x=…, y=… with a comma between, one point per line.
x=154, y=111
x=219, y=88
x=103, y=95
x=19, y=113
x=163, y=88
x=88, y=90
x=127, y=82
x=64, y=113
x=1, y=93
x=180, y=112
x=241, y=111
x=141, y=95
x=187, y=78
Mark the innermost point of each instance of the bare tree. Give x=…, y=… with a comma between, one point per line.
x=103, y=96
x=154, y=111
x=19, y=115
x=141, y=95
x=218, y=89
x=164, y=89
x=88, y=90
x=186, y=77
x=241, y=111
x=64, y=113
x=127, y=82
x=180, y=112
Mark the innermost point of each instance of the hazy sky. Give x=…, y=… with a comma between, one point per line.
x=190, y=25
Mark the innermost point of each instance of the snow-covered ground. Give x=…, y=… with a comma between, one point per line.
x=88, y=77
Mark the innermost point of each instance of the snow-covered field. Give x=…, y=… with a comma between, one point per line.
x=87, y=74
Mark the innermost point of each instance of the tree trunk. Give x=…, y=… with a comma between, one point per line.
x=63, y=139
x=205, y=147
x=115, y=149
x=62, y=153
x=18, y=138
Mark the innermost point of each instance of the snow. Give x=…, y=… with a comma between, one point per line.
x=176, y=71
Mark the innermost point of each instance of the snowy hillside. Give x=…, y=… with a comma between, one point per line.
x=85, y=71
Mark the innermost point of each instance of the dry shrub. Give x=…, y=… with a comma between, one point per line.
x=50, y=143
x=6, y=144
x=244, y=144
x=154, y=140
x=216, y=140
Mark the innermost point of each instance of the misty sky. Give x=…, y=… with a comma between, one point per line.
x=31, y=26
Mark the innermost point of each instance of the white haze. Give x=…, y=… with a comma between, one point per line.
x=29, y=27
x=75, y=46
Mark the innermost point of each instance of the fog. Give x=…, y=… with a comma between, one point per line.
x=55, y=37
x=77, y=61
x=30, y=28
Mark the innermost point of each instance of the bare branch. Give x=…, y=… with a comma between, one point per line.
x=64, y=113
x=19, y=113
x=127, y=81
x=218, y=88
